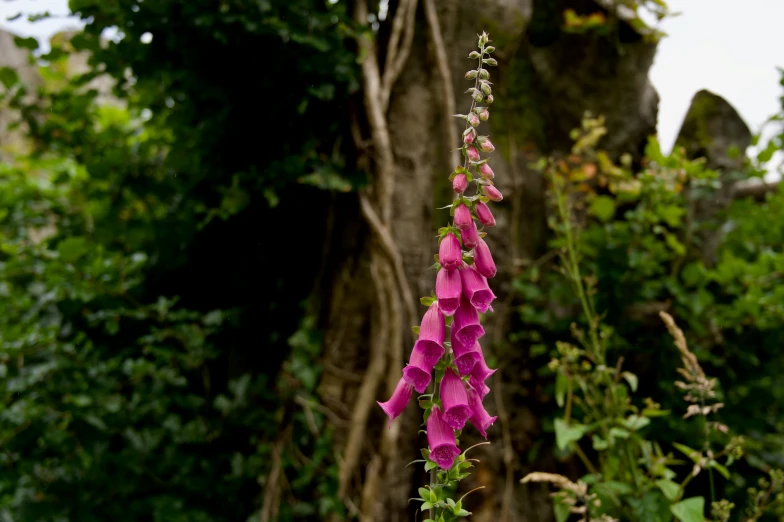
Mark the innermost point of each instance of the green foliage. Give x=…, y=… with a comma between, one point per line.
x=150, y=367
x=641, y=239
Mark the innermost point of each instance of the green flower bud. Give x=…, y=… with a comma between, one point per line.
x=474, y=55
x=470, y=75
x=490, y=61
x=489, y=49
x=484, y=74
x=486, y=88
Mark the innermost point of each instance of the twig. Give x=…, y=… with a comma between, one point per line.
x=442, y=67
x=397, y=55
x=388, y=243
x=271, y=496
x=367, y=391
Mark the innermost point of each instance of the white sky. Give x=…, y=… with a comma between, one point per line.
x=729, y=47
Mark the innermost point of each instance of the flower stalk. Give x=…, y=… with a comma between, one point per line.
x=456, y=369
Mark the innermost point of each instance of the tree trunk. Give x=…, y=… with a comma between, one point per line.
x=545, y=80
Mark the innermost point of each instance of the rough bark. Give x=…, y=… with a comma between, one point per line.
x=542, y=87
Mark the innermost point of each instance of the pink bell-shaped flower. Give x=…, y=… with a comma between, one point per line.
x=441, y=440
x=479, y=416
x=454, y=400
x=418, y=372
x=476, y=289
x=432, y=330
x=466, y=323
x=448, y=290
x=398, y=402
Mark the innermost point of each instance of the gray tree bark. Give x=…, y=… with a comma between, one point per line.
x=545, y=81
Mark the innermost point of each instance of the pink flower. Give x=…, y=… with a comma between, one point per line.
x=469, y=135
x=473, y=120
x=455, y=400
x=450, y=255
x=484, y=214
x=460, y=183
x=441, y=439
x=431, y=336
x=476, y=289
x=470, y=235
x=485, y=171
x=479, y=386
x=398, y=402
x=483, y=260
x=463, y=217
x=466, y=323
x=493, y=193
x=486, y=145
x=465, y=358
x=479, y=416
x=448, y=290
x=472, y=153
x=481, y=372
x=417, y=372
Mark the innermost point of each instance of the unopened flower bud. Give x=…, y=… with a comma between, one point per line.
x=460, y=183
x=477, y=96
x=474, y=55
x=486, y=88
x=489, y=99
x=470, y=75
x=483, y=260
x=469, y=134
x=493, y=193
x=485, y=144
x=472, y=153
x=490, y=61
x=489, y=49
x=484, y=214
x=484, y=114
x=450, y=254
x=485, y=171
x=473, y=119
x=484, y=74
x=470, y=235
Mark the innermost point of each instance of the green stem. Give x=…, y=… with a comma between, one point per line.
x=573, y=269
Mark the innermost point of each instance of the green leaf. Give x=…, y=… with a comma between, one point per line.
x=26, y=43
x=619, y=433
x=426, y=505
x=565, y=435
x=603, y=207
x=635, y=422
x=652, y=507
x=631, y=379
x=694, y=455
x=721, y=469
x=8, y=77
x=424, y=493
x=674, y=244
x=669, y=488
x=599, y=443
x=430, y=465
x=561, y=384
x=72, y=248
x=690, y=510
x=561, y=511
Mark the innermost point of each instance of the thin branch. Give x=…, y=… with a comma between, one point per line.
x=397, y=55
x=367, y=391
x=388, y=243
x=442, y=67
x=757, y=191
